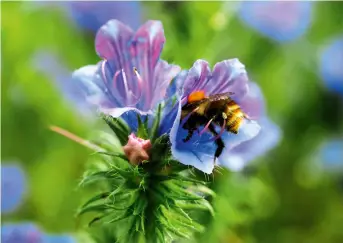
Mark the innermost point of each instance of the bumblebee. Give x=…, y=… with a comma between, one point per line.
x=211, y=111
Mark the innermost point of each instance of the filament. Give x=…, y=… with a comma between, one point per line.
x=221, y=131
x=185, y=119
x=206, y=127
x=103, y=70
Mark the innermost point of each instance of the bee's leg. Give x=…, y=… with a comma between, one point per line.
x=219, y=142
x=189, y=135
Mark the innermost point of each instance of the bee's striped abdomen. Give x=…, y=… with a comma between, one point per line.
x=235, y=117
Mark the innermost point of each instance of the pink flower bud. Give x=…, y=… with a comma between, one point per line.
x=136, y=149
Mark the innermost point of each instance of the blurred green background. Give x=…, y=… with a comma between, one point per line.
x=286, y=196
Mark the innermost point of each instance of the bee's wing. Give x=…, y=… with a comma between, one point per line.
x=222, y=96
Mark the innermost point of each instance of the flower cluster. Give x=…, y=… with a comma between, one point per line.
x=145, y=101
x=132, y=79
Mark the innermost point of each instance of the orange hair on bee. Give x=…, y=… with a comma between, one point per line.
x=196, y=96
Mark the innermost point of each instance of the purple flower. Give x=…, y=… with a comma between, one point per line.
x=280, y=20
x=131, y=76
x=268, y=137
x=331, y=155
x=21, y=233
x=227, y=76
x=49, y=64
x=13, y=187
x=331, y=65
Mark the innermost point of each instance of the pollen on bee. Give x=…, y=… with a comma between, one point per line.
x=196, y=96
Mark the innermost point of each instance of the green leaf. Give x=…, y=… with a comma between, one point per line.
x=176, y=231
x=140, y=206
x=96, y=198
x=118, y=155
x=199, y=205
x=93, y=208
x=160, y=150
x=205, y=190
x=97, y=176
x=124, y=216
x=156, y=124
x=142, y=131
x=120, y=128
x=160, y=235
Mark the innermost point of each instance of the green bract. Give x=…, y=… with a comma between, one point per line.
x=153, y=202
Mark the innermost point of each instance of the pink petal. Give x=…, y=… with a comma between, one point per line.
x=145, y=50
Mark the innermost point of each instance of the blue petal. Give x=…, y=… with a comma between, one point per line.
x=130, y=117
x=242, y=154
x=170, y=109
x=13, y=187
x=175, y=87
x=168, y=117
x=90, y=80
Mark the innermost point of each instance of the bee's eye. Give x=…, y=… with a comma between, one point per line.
x=196, y=96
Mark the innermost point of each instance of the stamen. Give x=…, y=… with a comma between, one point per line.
x=139, y=78
x=185, y=119
x=206, y=127
x=249, y=117
x=114, y=89
x=103, y=71
x=220, y=133
x=140, y=84
x=125, y=81
x=184, y=101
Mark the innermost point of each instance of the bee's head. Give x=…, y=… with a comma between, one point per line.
x=196, y=96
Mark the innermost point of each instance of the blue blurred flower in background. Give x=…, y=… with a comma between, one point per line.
x=227, y=76
x=49, y=64
x=13, y=187
x=21, y=233
x=91, y=15
x=131, y=76
x=331, y=155
x=30, y=233
x=63, y=238
x=331, y=65
x=279, y=20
